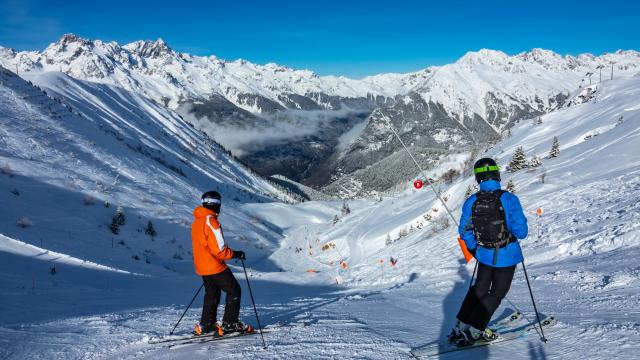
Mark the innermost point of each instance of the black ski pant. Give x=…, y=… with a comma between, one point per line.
x=484, y=297
x=213, y=285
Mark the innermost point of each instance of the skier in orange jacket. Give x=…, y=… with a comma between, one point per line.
x=210, y=252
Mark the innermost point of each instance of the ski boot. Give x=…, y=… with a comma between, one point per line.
x=238, y=327
x=457, y=333
x=204, y=330
x=472, y=335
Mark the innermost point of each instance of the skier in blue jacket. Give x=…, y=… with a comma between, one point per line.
x=492, y=221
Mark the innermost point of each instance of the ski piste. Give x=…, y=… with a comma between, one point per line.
x=439, y=348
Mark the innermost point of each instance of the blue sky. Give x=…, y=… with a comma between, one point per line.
x=352, y=38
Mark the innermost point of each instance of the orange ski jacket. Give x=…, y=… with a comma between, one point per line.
x=209, y=248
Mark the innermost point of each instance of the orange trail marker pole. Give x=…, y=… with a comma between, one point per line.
x=539, y=223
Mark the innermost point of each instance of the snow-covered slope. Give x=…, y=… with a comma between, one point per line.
x=468, y=104
x=582, y=267
x=586, y=193
x=73, y=154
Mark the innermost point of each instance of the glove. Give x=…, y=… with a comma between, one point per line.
x=239, y=255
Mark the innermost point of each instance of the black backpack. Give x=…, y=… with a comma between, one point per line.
x=489, y=222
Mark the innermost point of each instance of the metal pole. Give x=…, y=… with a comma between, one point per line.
x=185, y=310
x=544, y=339
x=611, y=71
x=425, y=176
x=254, y=303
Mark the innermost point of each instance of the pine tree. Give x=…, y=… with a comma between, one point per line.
x=388, y=241
x=519, y=160
x=471, y=189
x=511, y=187
x=336, y=219
x=555, y=148
x=535, y=161
x=345, y=209
x=150, y=230
x=117, y=220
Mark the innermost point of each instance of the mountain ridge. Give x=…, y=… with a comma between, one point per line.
x=440, y=108
x=106, y=59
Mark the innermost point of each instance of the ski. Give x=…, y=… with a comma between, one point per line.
x=503, y=324
x=203, y=338
x=507, y=322
x=175, y=338
x=439, y=348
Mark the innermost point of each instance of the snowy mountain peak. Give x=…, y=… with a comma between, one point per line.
x=482, y=56
x=150, y=49
x=69, y=38
x=70, y=46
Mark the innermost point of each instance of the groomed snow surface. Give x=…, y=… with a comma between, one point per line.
x=327, y=290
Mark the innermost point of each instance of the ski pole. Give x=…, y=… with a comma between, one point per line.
x=425, y=175
x=254, y=303
x=185, y=310
x=544, y=339
x=473, y=275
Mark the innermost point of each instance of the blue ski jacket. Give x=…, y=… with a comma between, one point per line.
x=516, y=221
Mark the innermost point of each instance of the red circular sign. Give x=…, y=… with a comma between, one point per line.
x=418, y=184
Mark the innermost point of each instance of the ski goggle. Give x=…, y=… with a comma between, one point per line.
x=209, y=201
x=482, y=169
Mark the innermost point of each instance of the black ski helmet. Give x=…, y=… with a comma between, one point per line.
x=486, y=169
x=212, y=201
